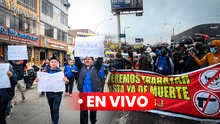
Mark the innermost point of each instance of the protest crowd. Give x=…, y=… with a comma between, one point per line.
x=164, y=59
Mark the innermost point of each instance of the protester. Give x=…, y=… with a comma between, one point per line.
x=88, y=81
x=6, y=94
x=66, y=61
x=131, y=59
x=213, y=57
x=102, y=75
x=164, y=63
x=190, y=65
x=45, y=66
x=145, y=60
x=119, y=62
x=54, y=98
x=177, y=56
x=111, y=66
x=19, y=71
x=152, y=55
x=70, y=71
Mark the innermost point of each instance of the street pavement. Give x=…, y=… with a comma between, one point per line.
x=36, y=111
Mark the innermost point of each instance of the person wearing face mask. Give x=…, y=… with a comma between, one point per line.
x=88, y=81
x=213, y=57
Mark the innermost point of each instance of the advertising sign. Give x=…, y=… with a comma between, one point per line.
x=195, y=94
x=127, y=5
x=139, y=40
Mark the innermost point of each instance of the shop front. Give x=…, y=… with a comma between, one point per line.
x=10, y=36
x=48, y=47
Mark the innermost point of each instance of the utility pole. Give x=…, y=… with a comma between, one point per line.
x=119, y=28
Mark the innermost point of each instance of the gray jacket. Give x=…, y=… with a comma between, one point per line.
x=93, y=72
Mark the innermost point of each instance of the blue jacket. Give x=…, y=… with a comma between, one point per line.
x=8, y=93
x=68, y=71
x=93, y=75
x=102, y=73
x=51, y=72
x=120, y=63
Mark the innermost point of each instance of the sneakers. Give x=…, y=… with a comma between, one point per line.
x=13, y=104
x=66, y=93
x=24, y=100
x=7, y=116
x=71, y=94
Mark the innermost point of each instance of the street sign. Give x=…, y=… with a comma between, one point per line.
x=122, y=35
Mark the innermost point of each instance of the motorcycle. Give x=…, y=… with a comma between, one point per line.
x=30, y=75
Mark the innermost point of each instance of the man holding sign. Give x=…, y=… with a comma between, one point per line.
x=53, y=98
x=18, y=68
x=89, y=80
x=6, y=94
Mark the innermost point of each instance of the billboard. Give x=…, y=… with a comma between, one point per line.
x=126, y=5
x=139, y=40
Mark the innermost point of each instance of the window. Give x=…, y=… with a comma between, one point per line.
x=64, y=1
x=48, y=31
x=29, y=4
x=2, y=18
x=12, y=21
x=59, y=34
x=47, y=8
x=64, y=18
x=70, y=41
x=16, y=22
x=64, y=36
x=21, y=23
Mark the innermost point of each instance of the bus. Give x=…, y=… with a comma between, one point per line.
x=203, y=33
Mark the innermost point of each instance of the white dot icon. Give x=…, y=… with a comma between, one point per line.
x=80, y=101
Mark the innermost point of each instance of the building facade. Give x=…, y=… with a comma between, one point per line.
x=19, y=25
x=53, y=30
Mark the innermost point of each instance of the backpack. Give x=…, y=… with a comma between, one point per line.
x=144, y=61
x=162, y=65
x=158, y=52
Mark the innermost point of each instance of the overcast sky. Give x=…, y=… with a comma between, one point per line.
x=87, y=14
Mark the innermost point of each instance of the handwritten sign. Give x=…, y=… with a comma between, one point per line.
x=50, y=82
x=89, y=46
x=4, y=79
x=17, y=52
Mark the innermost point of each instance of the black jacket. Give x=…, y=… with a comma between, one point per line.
x=190, y=65
x=93, y=72
x=19, y=69
x=8, y=93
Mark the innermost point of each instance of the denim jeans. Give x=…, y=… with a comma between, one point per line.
x=54, y=100
x=3, y=107
x=8, y=110
x=84, y=117
x=69, y=86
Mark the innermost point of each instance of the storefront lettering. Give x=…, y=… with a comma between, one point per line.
x=3, y=31
x=17, y=10
x=20, y=35
x=57, y=43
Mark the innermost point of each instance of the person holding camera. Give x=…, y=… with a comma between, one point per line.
x=213, y=57
x=190, y=65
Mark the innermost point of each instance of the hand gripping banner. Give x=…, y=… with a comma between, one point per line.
x=192, y=95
